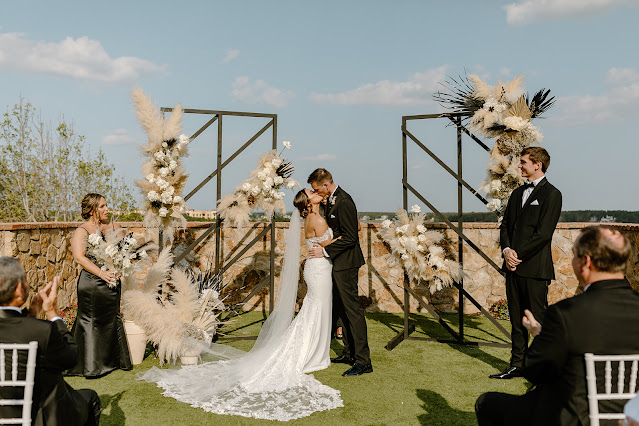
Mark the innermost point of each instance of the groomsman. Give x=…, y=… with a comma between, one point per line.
x=526, y=235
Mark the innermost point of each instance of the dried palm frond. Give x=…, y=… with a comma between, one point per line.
x=540, y=103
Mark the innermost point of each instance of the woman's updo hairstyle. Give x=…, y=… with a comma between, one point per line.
x=301, y=203
x=89, y=204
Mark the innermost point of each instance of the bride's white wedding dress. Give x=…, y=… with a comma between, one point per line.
x=270, y=381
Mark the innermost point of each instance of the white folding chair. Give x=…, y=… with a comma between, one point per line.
x=27, y=383
x=623, y=390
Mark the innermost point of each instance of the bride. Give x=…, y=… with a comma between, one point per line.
x=271, y=381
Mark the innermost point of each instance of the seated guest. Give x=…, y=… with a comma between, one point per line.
x=602, y=320
x=631, y=411
x=54, y=401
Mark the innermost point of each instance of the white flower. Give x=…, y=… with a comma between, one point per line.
x=421, y=229
x=404, y=256
x=172, y=165
x=111, y=250
x=261, y=175
x=161, y=183
x=420, y=247
x=436, y=251
x=165, y=145
x=143, y=254
x=164, y=171
x=177, y=199
x=492, y=104
x=516, y=123
x=402, y=241
x=166, y=197
x=126, y=263
x=278, y=180
x=421, y=238
x=170, y=190
x=150, y=177
x=280, y=195
x=159, y=156
x=404, y=228
x=94, y=239
x=255, y=190
x=163, y=212
x=415, y=209
x=291, y=184
x=386, y=223
x=153, y=196
x=183, y=139
x=246, y=186
x=495, y=185
x=286, y=144
x=130, y=241
x=268, y=199
x=494, y=204
x=276, y=162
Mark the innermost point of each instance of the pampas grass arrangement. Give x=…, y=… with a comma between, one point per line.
x=163, y=171
x=260, y=191
x=182, y=320
x=503, y=112
x=425, y=255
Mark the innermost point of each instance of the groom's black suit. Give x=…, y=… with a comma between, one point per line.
x=528, y=230
x=346, y=255
x=54, y=401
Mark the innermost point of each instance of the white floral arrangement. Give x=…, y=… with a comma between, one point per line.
x=262, y=190
x=503, y=112
x=184, y=319
x=116, y=254
x=163, y=171
x=425, y=255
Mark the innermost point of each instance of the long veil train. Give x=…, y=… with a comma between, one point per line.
x=267, y=382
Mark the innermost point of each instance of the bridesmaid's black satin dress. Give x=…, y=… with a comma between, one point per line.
x=98, y=329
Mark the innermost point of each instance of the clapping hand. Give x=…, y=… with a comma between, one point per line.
x=531, y=324
x=45, y=300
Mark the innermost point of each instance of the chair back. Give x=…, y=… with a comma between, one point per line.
x=622, y=390
x=9, y=356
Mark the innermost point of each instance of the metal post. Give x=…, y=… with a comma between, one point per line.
x=218, y=192
x=405, y=204
x=271, y=297
x=460, y=225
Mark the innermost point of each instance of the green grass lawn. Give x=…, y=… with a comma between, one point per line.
x=418, y=382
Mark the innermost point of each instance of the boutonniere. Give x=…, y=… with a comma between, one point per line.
x=331, y=199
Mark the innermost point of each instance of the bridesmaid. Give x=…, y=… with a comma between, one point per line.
x=98, y=330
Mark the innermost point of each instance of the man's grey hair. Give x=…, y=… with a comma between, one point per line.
x=11, y=273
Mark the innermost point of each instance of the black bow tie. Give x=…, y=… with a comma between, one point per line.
x=528, y=185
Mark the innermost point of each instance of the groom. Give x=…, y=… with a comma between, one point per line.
x=347, y=258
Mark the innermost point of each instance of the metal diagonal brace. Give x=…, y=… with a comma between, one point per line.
x=194, y=244
x=453, y=227
x=483, y=311
x=444, y=166
x=473, y=137
x=228, y=160
x=245, y=249
x=250, y=295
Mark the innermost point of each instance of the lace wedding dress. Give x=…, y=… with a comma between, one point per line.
x=270, y=381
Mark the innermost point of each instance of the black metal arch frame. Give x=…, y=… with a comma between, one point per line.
x=220, y=266
x=458, y=336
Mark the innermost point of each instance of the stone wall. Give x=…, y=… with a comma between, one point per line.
x=44, y=250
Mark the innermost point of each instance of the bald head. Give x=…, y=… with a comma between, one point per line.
x=608, y=249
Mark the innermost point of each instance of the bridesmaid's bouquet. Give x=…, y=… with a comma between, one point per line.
x=116, y=254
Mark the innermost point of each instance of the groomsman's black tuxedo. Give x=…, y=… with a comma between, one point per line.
x=528, y=230
x=346, y=255
x=602, y=320
x=54, y=401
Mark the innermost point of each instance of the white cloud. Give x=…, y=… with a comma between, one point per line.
x=418, y=90
x=259, y=92
x=617, y=104
x=230, y=55
x=528, y=11
x=118, y=137
x=80, y=58
x=505, y=71
x=322, y=157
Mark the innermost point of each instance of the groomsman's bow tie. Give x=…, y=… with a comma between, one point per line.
x=528, y=185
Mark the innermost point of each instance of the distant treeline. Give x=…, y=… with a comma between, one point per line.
x=619, y=216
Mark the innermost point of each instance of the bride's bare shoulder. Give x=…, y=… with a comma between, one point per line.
x=316, y=225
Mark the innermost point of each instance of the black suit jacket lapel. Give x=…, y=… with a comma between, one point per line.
x=538, y=188
x=330, y=205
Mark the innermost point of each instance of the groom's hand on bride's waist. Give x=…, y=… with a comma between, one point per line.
x=315, y=252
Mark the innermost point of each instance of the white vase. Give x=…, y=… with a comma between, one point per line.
x=136, y=337
x=190, y=356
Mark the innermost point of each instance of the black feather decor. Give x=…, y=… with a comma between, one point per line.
x=459, y=97
x=286, y=169
x=540, y=103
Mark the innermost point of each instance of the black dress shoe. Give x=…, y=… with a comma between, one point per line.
x=343, y=359
x=358, y=369
x=508, y=373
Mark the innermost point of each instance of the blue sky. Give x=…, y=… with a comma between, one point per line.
x=340, y=75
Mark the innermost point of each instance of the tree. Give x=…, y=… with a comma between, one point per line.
x=45, y=170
